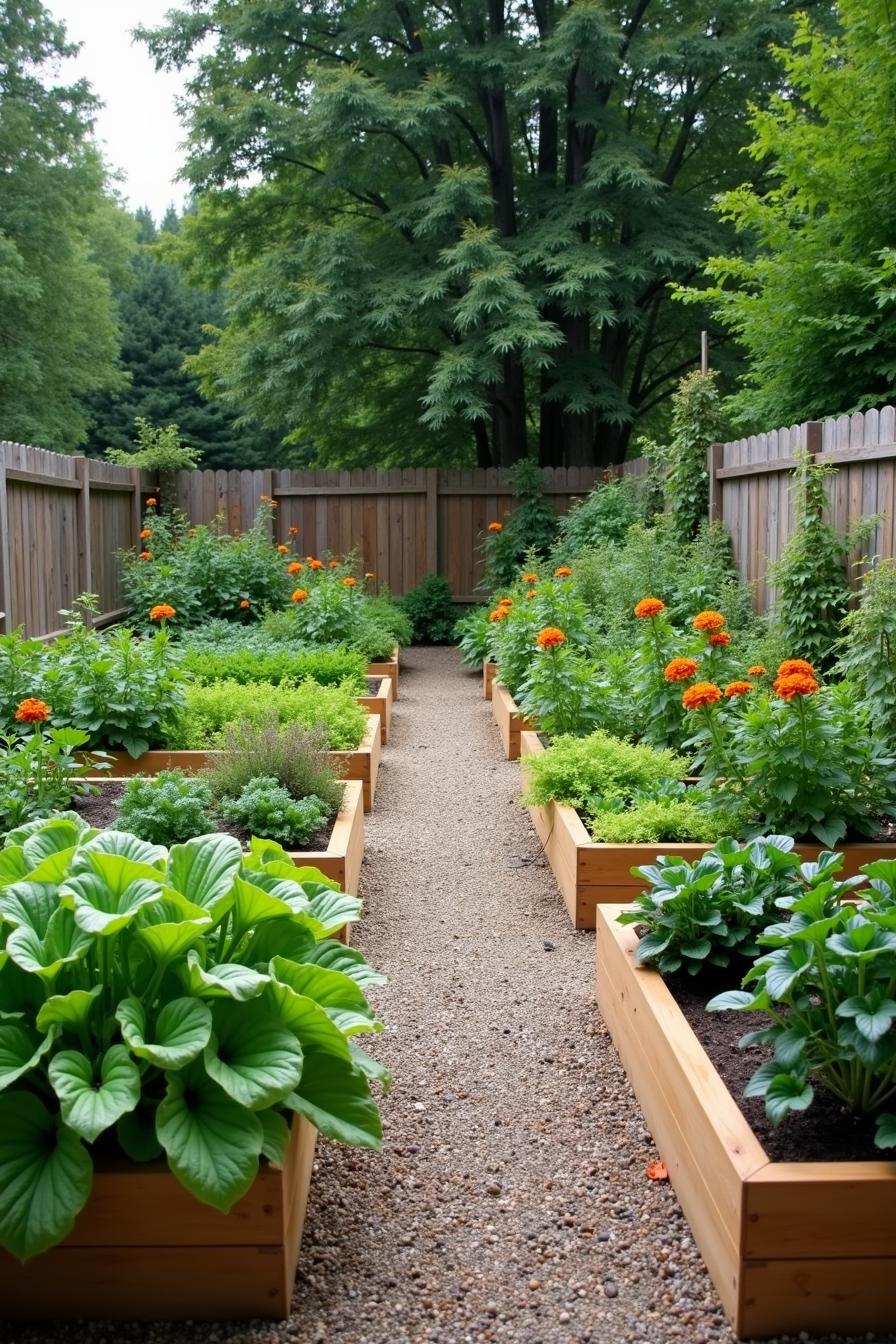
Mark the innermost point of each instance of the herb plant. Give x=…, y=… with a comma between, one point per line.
x=867, y=650
x=251, y=657
x=181, y=1003
x=576, y=770
x=266, y=809
x=827, y=985
x=167, y=807
x=472, y=634
x=657, y=820
x=295, y=756
x=208, y=709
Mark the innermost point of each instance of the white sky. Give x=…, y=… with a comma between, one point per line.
x=138, y=127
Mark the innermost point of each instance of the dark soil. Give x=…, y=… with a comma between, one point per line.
x=826, y=1132
x=374, y=684
x=101, y=809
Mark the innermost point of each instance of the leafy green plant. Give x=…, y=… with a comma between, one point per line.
x=576, y=770
x=266, y=809
x=257, y=658
x=696, y=423
x=603, y=517
x=529, y=529
x=827, y=983
x=472, y=634
x=184, y=1003
x=42, y=771
x=563, y=692
x=23, y=664
x=295, y=756
x=431, y=610
x=209, y=708
x=710, y=912
x=554, y=602
x=658, y=819
x=166, y=807
x=867, y=650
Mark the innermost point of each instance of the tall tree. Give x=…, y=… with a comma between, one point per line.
x=474, y=205
x=64, y=239
x=812, y=296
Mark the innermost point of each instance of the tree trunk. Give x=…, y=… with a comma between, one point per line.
x=611, y=444
x=483, y=447
x=508, y=398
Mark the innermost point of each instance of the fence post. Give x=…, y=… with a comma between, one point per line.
x=811, y=435
x=432, y=520
x=715, y=456
x=85, y=540
x=5, y=578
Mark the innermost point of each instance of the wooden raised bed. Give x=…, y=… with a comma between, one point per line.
x=380, y=703
x=362, y=764
x=489, y=670
x=790, y=1246
x=342, y=858
x=144, y=1248
x=509, y=720
x=590, y=874
x=387, y=668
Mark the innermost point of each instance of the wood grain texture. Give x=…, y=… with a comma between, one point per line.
x=489, y=672
x=509, y=720
x=388, y=667
x=380, y=704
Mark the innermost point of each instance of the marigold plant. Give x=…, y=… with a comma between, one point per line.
x=145, y=532
x=284, y=550
x=701, y=695
x=551, y=637
x=496, y=527
x=721, y=639
x=680, y=669
x=708, y=621
x=757, y=670
x=300, y=595
x=793, y=684
x=349, y=582
x=32, y=710
x=295, y=568
x=562, y=572
x=648, y=607
x=736, y=688
x=162, y=612
x=245, y=604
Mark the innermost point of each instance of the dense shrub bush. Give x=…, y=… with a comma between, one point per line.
x=430, y=609
x=602, y=518
x=208, y=709
x=472, y=633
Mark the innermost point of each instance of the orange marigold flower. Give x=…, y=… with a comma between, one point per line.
x=721, y=638
x=794, y=683
x=498, y=614
x=506, y=602
x=349, y=582
x=334, y=564
x=496, y=527
x=708, y=620
x=33, y=711
x=295, y=568
x=790, y=665
x=532, y=593
x=267, y=499
x=145, y=555
x=563, y=572
x=530, y=578
x=151, y=502
x=284, y=550
x=701, y=694
x=144, y=533
x=293, y=531
x=757, y=670
x=162, y=612
x=738, y=688
x=315, y=564
x=191, y=532
x=245, y=604
x=299, y=595
x=551, y=637
x=680, y=669
x=649, y=606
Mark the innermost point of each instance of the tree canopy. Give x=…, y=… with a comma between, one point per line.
x=449, y=226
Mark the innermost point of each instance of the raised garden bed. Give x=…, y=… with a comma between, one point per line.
x=144, y=1248
x=790, y=1246
x=590, y=874
x=387, y=668
x=489, y=672
x=379, y=701
x=509, y=720
x=362, y=764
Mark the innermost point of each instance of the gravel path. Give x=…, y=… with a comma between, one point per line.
x=510, y=1202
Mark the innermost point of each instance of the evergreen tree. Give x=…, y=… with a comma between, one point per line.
x=454, y=223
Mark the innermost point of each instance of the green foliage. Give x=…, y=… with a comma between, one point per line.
x=382, y=611
x=294, y=756
x=563, y=692
x=472, y=633
x=165, y=808
x=266, y=809
x=177, y=1004
x=333, y=611
x=602, y=518
x=809, y=293
x=40, y=773
x=65, y=240
x=577, y=770
x=810, y=573
x=867, y=651
x=683, y=462
x=430, y=610
x=513, y=634
x=208, y=709
x=157, y=449
x=526, y=534
x=708, y=913
x=826, y=983
x=657, y=820
x=250, y=656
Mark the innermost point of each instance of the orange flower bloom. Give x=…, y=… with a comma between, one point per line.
x=790, y=665
x=530, y=578
x=738, y=688
x=532, y=593
x=496, y=527
x=284, y=550
x=151, y=502
x=315, y=564
x=680, y=669
x=299, y=595
x=708, y=620
x=721, y=638
x=266, y=499
x=701, y=694
x=162, y=612
x=757, y=670
x=295, y=568
x=369, y=574
x=649, y=606
x=349, y=582
x=144, y=533
x=145, y=555
x=794, y=683
x=191, y=532
x=334, y=564
x=551, y=637
x=498, y=614
x=33, y=711
x=506, y=602
x=293, y=531
x=245, y=604
x=563, y=572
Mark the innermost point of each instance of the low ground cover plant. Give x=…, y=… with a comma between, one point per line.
x=208, y=709
x=251, y=656
x=166, y=808
x=184, y=1004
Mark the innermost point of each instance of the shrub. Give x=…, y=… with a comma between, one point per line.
x=266, y=809
x=294, y=756
x=867, y=650
x=576, y=770
x=193, y=1013
x=209, y=709
x=430, y=610
x=167, y=807
x=472, y=634
x=602, y=518
x=529, y=529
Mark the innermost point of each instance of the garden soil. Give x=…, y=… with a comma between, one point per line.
x=510, y=1201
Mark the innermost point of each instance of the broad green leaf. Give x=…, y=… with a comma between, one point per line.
x=276, y=1136
x=785, y=1093
x=370, y=1067
x=30, y=905
x=203, y=869
x=335, y=956
x=334, y=909
x=885, y=1134
x=213, y=1143
x=181, y=1032
x=20, y=834
x=759, y=1084
x=303, y=873
x=251, y=1055
x=310, y=1023
x=253, y=906
x=336, y=1100
x=731, y=999
x=288, y=937
x=63, y=943
x=170, y=925
x=229, y=980
x=120, y=844
x=21, y=1049
x=651, y=946
x=266, y=851
x=13, y=866
x=68, y=1011
x=45, y=1176
x=58, y=836
x=136, y=1134
x=90, y=1103
x=101, y=909
x=331, y=989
